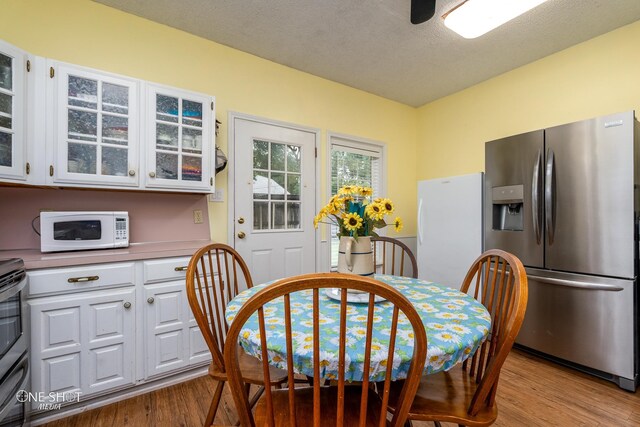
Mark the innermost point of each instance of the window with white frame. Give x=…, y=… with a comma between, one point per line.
x=354, y=162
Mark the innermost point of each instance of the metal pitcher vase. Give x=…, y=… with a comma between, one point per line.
x=356, y=256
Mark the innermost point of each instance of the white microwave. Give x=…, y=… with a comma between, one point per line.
x=76, y=231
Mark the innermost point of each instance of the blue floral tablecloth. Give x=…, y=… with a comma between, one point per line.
x=456, y=325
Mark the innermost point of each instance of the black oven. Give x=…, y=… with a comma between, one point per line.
x=14, y=358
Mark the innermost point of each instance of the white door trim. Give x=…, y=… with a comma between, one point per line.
x=231, y=117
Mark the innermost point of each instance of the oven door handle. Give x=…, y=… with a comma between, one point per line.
x=13, y=290
x=20, y=385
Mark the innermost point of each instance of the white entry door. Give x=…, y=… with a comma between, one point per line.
x=274, y=197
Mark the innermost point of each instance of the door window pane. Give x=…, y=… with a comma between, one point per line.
x=167, y=108
x=192, y=140
x=192, y=113
x=166, y=137
x=5, y=122
x=276, y=186
x=191, y=168
x=83, y=125
x=82, y=158
x=293, y=186
x=260, y=215
x=293, y=158
x=260, y=154
x=115, y=98
x=277, y=157
x=277, y=216
x=5, y=103
x=167, y=166
x=260, y=185
x=5, y=149
x=114, y=161
x=293, y=215
x=6, y=109
x=115, y=129
x=6, y=72
x=83, y=92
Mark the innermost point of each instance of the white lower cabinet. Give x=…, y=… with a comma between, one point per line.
x=173, y=339
x=94, y=340
x=83, y=343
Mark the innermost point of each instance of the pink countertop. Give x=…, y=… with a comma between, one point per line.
x=34, y=259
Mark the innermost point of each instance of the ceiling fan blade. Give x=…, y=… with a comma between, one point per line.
x=422, y=10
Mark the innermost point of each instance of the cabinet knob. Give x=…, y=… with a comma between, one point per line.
x=152, y=174
x=150, y=300
x=132, y=172
x=127, y=305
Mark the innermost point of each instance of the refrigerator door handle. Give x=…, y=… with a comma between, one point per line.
x=549, y=195
x=576, y=284
x=535, y=201
x=420, y=221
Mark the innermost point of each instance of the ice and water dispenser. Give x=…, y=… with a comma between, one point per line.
x=508, y=209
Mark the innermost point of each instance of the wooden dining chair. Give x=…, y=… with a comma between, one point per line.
x=338, y=404
x=394, y=253
x=467, y=394
x=215, y=275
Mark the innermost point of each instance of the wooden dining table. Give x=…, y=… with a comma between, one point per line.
x=455, y=322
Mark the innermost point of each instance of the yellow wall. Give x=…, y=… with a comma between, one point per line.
x=86, y=33
x=596, y=77
x=599, y=76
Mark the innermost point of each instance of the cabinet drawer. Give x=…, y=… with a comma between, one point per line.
x=164, y=270
x=75, y=279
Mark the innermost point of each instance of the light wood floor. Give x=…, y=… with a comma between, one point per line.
x=532, y=392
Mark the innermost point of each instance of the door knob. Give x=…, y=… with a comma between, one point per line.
x=241, y=220
x=241, y=235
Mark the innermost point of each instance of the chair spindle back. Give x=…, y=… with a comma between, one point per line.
x=216, y=274
x=397, y=258
x=498, y=280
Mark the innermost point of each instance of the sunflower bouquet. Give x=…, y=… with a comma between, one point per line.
x=355, y=213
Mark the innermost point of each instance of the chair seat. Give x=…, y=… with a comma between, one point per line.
x=445, y=397
x=251, y=369
x=328, y=405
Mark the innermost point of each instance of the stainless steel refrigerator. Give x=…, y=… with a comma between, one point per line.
x=565, y=200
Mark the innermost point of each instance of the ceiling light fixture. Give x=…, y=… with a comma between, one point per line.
x=473, y=18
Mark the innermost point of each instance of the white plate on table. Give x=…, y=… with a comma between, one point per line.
x=357, y=297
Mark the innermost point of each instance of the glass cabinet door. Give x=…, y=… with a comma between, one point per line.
x=97, y=137
x=12, y=112
x=180, y=139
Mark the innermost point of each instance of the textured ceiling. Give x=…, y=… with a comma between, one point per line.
x=371, y=45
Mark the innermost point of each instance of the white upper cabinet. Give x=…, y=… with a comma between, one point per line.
x=179, y=139
x=13, y=92
x=67, y=125
x=94, y=118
